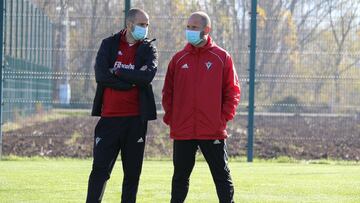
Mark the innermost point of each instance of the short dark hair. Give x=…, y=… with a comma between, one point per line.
x=131, y=14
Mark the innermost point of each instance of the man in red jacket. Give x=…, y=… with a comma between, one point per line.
x=200, y=95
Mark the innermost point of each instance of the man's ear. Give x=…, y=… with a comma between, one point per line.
x=128, y=23
x=207, y=30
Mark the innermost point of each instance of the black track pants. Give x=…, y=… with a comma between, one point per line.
x=215, y=154
x=125, y=134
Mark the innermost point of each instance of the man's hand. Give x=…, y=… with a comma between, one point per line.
x=144, y=68
x=115, y=71
x=112, y=70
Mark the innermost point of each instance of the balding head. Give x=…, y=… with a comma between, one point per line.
x=135, y=13
x=204, y=17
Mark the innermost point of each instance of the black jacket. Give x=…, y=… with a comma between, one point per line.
x=146, y=54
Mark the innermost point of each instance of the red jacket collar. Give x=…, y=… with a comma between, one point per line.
x=123, y=37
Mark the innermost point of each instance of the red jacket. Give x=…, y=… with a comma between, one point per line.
x=200, y=93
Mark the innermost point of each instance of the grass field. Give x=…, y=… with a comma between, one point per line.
x=65, y=180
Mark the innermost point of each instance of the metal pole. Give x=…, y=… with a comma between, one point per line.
x=1, y=68
x=43, y=37
x=46, y=43
x=5, y=20
x=27, y=40
x=38, y=37
x=22, y=30
x=11, y=28
x=251, y=106
x=31, y=50
x=50, y=60
x=36, y=50
x=64, y=88
x=16, y=49
x=127, y=8
x=30, y=45
x=50, y=44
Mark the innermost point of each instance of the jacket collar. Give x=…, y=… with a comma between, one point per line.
x=121, y=36
x=192, y=49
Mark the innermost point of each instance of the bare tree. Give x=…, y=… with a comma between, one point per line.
x=282, y=35
x=342, y=27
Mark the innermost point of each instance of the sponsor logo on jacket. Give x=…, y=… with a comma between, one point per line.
x=118, y=64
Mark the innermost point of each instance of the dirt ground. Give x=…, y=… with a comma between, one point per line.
x=295, y=136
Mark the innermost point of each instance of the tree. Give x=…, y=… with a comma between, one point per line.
x=342, y=28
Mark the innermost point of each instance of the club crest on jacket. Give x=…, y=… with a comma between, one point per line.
x=208, y=65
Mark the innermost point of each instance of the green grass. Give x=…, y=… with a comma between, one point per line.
x=65, y=180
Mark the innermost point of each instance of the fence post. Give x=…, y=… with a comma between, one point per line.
x=127, y=8
x=1, y=68
x=22, y=30
x=50, y=63
x=31, y=52
x=11, y=28
x=27, y=39
x=37, y=50
x=44, y=38
x=251, y=106
x=16, y=46
x=38, y=36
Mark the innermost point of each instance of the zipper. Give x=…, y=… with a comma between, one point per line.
x=196, y=92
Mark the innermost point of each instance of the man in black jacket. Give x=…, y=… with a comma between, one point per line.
x=126, y=64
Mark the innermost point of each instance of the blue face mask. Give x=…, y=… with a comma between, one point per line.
x=139, y=32
x=193, y=37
